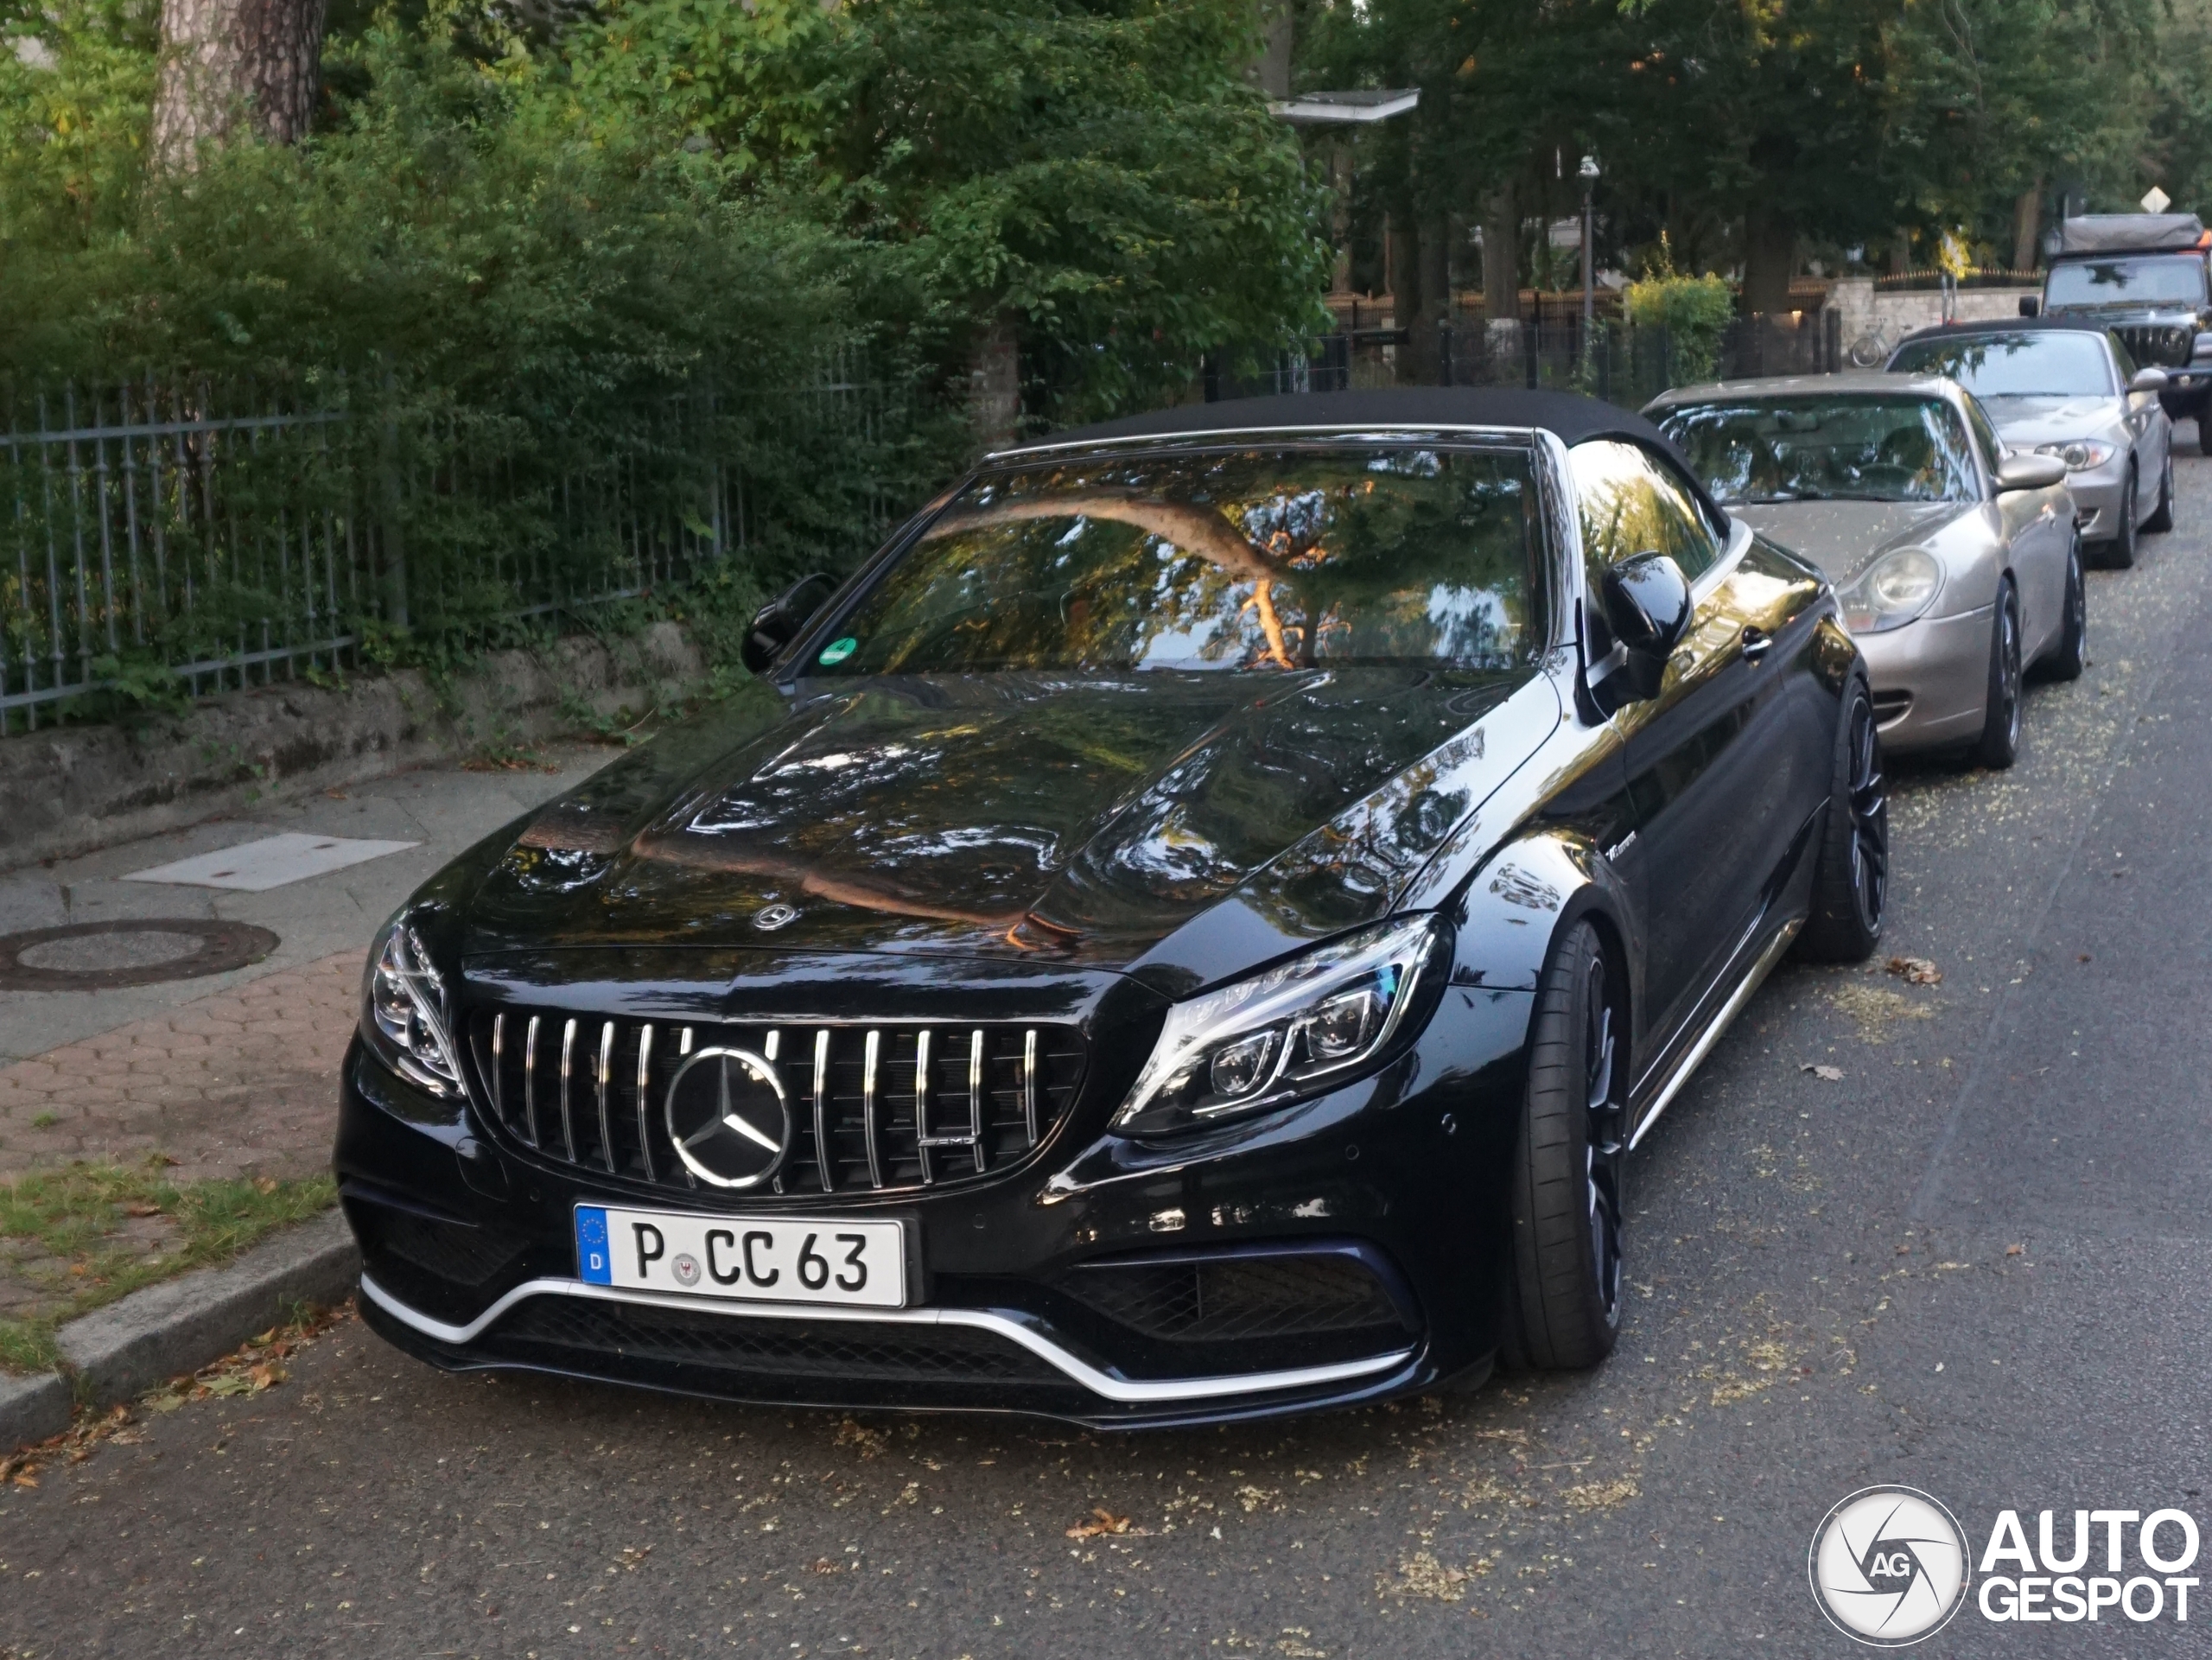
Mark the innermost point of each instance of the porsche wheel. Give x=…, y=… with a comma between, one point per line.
x=1564, y=1279
x=1999, y=746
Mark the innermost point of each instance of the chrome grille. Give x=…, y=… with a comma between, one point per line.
x=874, y=1108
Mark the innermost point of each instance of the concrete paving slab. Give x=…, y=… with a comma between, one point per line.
x=269, y=862
x=442, y=809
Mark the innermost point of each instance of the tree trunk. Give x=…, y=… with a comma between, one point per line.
x=1501, y=256
x=1405, y=269
x=228, y=63
x=2027, y=221
x=1770, y=261
x=1435, y=297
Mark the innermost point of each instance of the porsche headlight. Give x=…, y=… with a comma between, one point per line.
x=403, y=1013
x=1892, y=591
x=2081, y=454
x=1303, y=1027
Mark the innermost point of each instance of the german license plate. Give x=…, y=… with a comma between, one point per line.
x=747, y=1259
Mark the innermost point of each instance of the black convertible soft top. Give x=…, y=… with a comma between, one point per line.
x=1574, y=418
x=2064, y=323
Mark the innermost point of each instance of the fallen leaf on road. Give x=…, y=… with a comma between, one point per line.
x=1106, y=1522
x=1833, y=1074
x=142, y=1208
x=1916, y=971
x=2014, y=1250
x=630, y=1555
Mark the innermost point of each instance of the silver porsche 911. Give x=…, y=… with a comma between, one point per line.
x=1956, y=558
x=2066, y=386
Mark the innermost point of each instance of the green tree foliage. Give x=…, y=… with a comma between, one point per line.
x=1098, y=168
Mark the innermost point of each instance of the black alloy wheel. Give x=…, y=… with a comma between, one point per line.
x=1851, y=888
x=2162, y=516
x=1999, y=746
x=1564, y=1277
x=2070, y=655
x=2120, y=552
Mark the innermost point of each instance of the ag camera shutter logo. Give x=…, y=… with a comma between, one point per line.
x=1889, y=1565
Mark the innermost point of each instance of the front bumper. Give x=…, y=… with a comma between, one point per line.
x=469, y=1258
x=1930, y=680
x=2098, y=494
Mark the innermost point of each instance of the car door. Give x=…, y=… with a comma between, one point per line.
x=2036, y=533
x=1712, y=762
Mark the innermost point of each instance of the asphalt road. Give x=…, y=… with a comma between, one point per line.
x=1975, y=1263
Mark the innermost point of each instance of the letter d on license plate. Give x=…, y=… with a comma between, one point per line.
x=745, y=1259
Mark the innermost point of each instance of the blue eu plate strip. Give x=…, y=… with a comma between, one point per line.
x=594, y=1262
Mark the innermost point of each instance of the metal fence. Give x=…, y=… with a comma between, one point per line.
x=1611, y=360
x=184, y=536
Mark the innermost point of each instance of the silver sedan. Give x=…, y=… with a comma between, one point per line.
x=2066, y=387
x=1955, y=557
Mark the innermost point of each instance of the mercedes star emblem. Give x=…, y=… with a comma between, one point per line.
x=769, y=917
x=729, y=1118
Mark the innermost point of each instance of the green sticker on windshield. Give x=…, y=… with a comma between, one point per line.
x=837, y=650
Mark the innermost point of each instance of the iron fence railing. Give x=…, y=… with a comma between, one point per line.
x=1618, y=362
x=209, y=535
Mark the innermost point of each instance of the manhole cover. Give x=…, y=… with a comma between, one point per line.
x=94, y=956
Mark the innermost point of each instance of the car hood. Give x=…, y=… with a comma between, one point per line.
x=1029, y=816
x=2023, y=423
x=1843, y=537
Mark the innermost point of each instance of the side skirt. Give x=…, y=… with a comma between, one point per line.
x=1688, y=1064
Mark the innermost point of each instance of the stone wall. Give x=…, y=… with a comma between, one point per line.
x=1879, y=319
x=75, y=788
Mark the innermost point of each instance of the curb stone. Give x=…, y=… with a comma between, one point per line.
x=118, y=1352
x=32, y=1409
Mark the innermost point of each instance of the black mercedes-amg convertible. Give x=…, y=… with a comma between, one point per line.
x=1200, y=927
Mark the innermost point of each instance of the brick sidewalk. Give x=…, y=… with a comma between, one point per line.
x=242, y=1082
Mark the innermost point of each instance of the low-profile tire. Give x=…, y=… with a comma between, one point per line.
x=2119, y=551
x=2066, y=659
x=1999, y=746
x=1851, y=883
x=1563, y=1277
x=2161, y=516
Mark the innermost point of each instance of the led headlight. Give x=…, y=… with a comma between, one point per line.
x=1305, y=1026
x=403, y=1016
x=1892, y=591
x=2080, y=455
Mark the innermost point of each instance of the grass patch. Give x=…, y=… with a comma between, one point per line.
x=74, y=1218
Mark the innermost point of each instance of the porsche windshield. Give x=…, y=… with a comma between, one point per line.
x=2047, y=363
x=1253, y=559
x=1825, y=449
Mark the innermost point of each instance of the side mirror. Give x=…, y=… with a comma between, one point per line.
x=2029, y=473
x=778, y=623
x=2030, y=306
x=2148, y=380
x=1647, y=606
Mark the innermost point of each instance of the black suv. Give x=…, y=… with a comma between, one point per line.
x=2144, y=276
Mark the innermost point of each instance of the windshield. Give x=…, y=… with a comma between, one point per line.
x=1833, y=449
x=2051, y=364
x=2164, y=279
x=1252, y=559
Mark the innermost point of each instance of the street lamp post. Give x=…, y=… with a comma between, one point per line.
x=1588, y=172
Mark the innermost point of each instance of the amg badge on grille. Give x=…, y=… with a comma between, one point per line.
x=729, y=1117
